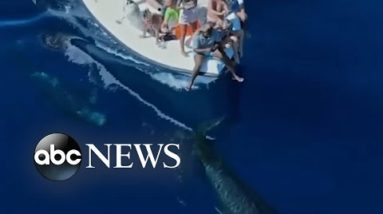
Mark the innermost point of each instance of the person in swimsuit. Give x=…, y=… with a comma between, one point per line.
x=217, y=10
x=188, y=17
x=205, y=45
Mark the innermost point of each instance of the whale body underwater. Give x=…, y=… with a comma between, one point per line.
x=234, y=196
x=67, y=101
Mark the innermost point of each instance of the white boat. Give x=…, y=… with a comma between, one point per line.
x=109, y=12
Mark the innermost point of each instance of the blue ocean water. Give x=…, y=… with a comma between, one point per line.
x=303, y=131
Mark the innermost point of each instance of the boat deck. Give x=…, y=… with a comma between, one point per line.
x=108, y=12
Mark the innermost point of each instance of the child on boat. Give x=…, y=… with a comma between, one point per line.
x=161, y=26
x=171, y=16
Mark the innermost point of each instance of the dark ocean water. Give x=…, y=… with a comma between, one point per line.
x=304, y=130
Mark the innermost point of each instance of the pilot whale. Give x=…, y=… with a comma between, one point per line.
x=55, y=41
x=234, y=196
x=58, y=40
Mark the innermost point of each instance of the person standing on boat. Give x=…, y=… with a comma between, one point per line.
x=217, y=10
x=238, y=17
x=188, y=18
x=204, y=46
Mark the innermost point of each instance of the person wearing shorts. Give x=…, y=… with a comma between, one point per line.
x=188, y=17
x=205, y=45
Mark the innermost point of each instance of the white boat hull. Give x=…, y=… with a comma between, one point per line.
x=108, y=12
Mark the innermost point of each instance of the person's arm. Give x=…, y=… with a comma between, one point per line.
x=202, y=50
x=212, y=10
x=164, y=25
x=208, y=49
x=166, y=19
x=241, y=4
x=241, y=13
x=197, y=45
x=242, y=7
x=199, y=50
x=225, y=8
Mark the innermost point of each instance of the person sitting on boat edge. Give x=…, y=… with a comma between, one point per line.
x=227, y=39
x=188, y=18
x=205, y=45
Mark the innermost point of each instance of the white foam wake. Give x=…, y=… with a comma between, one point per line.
x=77, y=56
x=20, y=22
x=170, y=80
x=155, y=73
x=120, y=54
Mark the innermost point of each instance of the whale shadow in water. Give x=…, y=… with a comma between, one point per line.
x=76, y=103
x=234, y=196
x=67, y=101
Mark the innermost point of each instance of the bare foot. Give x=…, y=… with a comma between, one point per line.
x=162, y=45
x=240, y=52
x=238, y=79
x=184, y=54
x=188, y=42
x=237, y=59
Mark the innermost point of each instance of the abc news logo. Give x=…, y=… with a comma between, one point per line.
x=58, y=157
